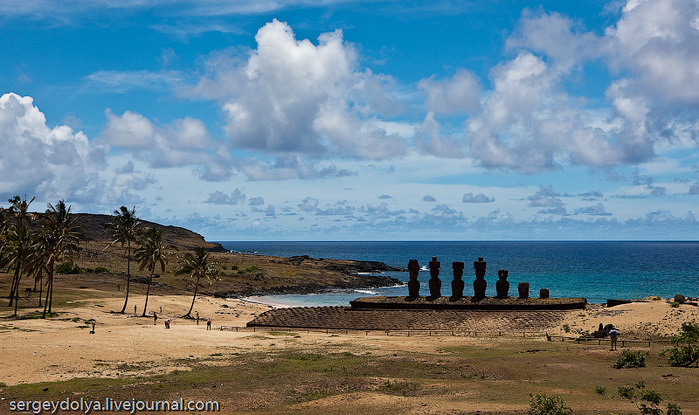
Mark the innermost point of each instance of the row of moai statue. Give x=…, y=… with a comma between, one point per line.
x=502, y=286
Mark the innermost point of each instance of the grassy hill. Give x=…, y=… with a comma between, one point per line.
x=239, y=274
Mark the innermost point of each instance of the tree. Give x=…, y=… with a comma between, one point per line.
x=125, y=228
x=16, y=250
x=197, y=265
x=19, y=211
x=151, y=252
x=58, y=237
x=685, y=351
x=647, y=400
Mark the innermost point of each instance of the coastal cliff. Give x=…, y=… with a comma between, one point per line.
x=239, y=274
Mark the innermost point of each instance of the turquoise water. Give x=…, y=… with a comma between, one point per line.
x=591, y=269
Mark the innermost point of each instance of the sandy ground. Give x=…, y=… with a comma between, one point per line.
x=62, y=348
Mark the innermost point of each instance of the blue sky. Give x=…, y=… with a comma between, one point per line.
x=358, y=120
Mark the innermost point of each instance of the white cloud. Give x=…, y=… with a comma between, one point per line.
x=293, y=96
x=50, y=163
x=461, y=93
x=309, y=204
x=288, y=167
x=220, y=198
x=659, y=41
x=530, y=123
x=180, y=143
x=479, y=198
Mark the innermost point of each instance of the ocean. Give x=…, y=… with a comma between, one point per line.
x=596, y=270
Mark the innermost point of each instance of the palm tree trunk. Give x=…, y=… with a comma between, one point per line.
x=49, y=294
x=145, y=306
x=126, y=300
x=15, y=285
x=196, y=288
x=41, y=285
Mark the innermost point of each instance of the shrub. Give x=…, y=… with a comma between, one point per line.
x=600, y=390
x=100, y=270
x=646, y=400
x=547, y=405
x=684, y=352
x=630, y=359
x=674, y=304
x=68, y=268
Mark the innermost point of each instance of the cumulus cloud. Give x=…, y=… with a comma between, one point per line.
x=545, y=197
x=596, y=210
x=428, y=198
x=430, y=140
x=461, y=93
x=182, y=142
x=256, y=201
x=659, y=41
x=479, y=198
x=287, y=167
x=50, y=163
x=309, y=204
x=297, y=97
x=220, y=198
x=530, y=123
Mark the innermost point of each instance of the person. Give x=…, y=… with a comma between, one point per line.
x=208, y=324
x=167, y=323
x=155, y=318
x=613, y=335
x=93, y=327
x=197, y=318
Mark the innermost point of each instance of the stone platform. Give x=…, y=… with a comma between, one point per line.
x=467, y=303
x=416, y=319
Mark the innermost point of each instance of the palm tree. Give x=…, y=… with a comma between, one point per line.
x=19, y=210
x=125, y=229
x=198, y=267
x=16, y=250
x=152, y=251
x=57, y=240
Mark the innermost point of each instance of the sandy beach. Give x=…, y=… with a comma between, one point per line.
x=62, y=348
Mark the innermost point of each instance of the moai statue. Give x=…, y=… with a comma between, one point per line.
x=502, y=286
x=479, y=284
x=457, y=286
x=544, y=293
x=435, y=283
x=413, y=284
x=523, y=289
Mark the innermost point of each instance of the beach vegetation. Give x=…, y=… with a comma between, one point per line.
x=57, y=239
x=646, y=400
x=630, y=359
x=151, y=252
x=124, y=229
x=16, y=245
x=684, y=351
x=674, y=304
x=68, y=267
x=198, y=267
x=547, y=405
x=600, y=390
x=100, y=270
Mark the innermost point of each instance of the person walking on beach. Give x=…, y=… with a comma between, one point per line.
x=155, y=318
x=167, y=323
x=197, y=318
x=613, y=335
x=208, y=324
